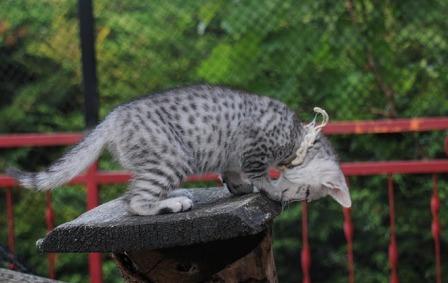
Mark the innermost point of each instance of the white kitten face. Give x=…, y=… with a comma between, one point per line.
x=314, y=180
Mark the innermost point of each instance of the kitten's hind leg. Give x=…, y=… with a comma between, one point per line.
x=142, y=207
x=148, y=196
x=236, y=183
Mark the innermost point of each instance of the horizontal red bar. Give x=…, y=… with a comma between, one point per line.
x=111, y=177
x=342, y=127
x=395, y=167
x=31, y=140
x=350, y=169
x=387, y=126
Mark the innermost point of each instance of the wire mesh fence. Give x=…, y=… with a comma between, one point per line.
x=361, y=59
x=358, y=59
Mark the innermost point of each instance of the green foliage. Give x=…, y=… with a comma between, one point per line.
x=357, y=59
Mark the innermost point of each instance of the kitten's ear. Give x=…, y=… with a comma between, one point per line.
x=339, y=191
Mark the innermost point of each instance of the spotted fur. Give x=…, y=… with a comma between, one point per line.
x=163, y=138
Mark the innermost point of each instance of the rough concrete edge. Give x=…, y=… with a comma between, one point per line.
x=10, y=276
x=241, y=212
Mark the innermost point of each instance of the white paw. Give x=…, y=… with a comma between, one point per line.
x=187, y=203
x=178, y=204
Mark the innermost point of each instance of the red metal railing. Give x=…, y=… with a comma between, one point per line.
x=393, y=248
x=93, y=178
x=435, y=226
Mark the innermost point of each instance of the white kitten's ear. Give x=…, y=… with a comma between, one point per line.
x=340, y=193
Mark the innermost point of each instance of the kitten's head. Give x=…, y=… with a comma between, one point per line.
x=319, y=175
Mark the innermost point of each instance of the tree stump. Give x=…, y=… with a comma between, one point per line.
x=224, y=238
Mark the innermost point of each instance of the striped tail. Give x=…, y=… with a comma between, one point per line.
x=69, y=165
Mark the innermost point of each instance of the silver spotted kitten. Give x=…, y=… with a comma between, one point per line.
x=164, y=137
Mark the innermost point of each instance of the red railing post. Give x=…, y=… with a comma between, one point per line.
x=95, y=260
x=446, y=146
x=305, y=254
x=49, y=219
x=348, y=232
x=393, y=247
x=10, y=223
x=435, y=227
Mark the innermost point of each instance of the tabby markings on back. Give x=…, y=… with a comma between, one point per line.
x=164, y=137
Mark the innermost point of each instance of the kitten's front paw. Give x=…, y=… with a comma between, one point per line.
x=256, y=190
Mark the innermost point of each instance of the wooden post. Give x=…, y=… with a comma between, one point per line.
x=244, y=259
x=257, y=266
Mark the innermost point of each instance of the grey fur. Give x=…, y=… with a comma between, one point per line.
x=163, y=138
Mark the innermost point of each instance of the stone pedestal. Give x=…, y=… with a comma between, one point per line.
x=224, y=238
